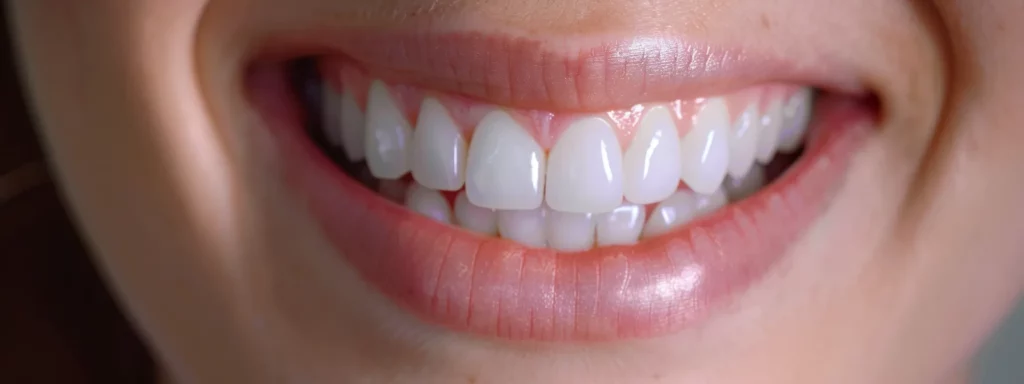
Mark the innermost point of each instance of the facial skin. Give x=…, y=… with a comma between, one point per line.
x=172, y=177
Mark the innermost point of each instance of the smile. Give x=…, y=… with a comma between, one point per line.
x=574, y=192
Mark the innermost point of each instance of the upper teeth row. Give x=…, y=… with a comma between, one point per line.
x=586, y=171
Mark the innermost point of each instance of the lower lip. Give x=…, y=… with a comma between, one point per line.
x=496, y=288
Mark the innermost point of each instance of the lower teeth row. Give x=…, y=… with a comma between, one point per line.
x=563, y=231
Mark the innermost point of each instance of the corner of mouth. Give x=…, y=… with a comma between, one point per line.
x=500, y=287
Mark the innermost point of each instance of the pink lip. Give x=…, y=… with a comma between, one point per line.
x=565, y=75
x=496, y=288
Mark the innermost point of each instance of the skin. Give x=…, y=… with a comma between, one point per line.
x=165, y=165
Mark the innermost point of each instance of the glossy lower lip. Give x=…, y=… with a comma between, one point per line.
x=559, y=74
x=496, y=288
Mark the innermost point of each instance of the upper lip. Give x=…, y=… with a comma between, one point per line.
x=578, y=75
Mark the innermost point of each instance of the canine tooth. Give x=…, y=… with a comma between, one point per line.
x=585, y=169
x=332, y=115
x=743, y=142
x=428, y=202
x=796, y=117
x=681, y=208
x=474, y=218
x=505, y=167
x=438, y=149
x=651, y=165
x=740, y=188
x=570, y=231
x=621, y=226
x=768, y=138
x=524, y=226
x=387, y=135
x=353, y=127
x=705, y=149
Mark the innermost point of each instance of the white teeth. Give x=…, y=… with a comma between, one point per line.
x=505, y=167
x=743, y=142
x=674, y=212
x=438, y=149
x=388, y=135
x=705, y=149
x=681, y=208
x=768, y=138
x=428, y=202
x=474, y=218
x=796, y=116
x=353, y=127
x=585, y=169
x=740, y=188
x=710, y=203
x=331, y=118
x=651, y=165
x=524, y=227
x=621, y=226
x=570, y=232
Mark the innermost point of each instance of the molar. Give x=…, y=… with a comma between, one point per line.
x=796, y=117
x=331, y=115
x=353, y=127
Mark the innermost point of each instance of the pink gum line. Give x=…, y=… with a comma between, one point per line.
x=545, y=126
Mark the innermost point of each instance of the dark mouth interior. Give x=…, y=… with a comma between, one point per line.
x=307, y=84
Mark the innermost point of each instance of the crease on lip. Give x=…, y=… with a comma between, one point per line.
x=583, y=74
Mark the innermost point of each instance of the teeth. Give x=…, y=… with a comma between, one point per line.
x=768, y=138
x=570, y=232
x=353, y=127
x=621, y=226
x=681, y=208
x=505, y=167
x=387, y=135
x=525, y=227
x=796, y=116
x=428, y=202
x=331, y=118
x=585, y=169
x=705, y=149
x=474, y=218
x=651, y=165
x=438, y=149
x=743, y=142
x=740, y=188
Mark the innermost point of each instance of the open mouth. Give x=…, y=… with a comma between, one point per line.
x=479, y=210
